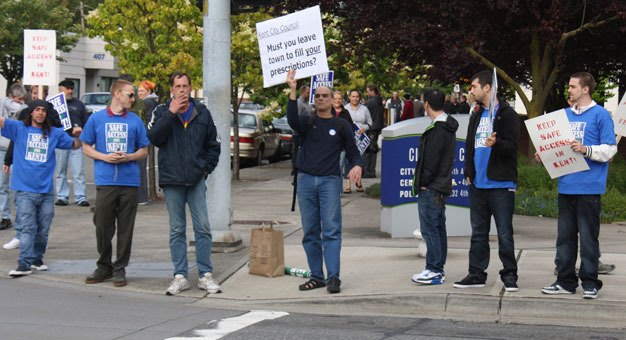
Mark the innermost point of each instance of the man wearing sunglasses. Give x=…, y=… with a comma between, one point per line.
x=319, y=185
x=116, y=139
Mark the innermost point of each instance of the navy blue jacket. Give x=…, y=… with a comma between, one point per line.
x=186, y=155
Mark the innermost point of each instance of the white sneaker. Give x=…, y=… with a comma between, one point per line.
x=39, y=266
x=207, y=283
x=179, y=284
x=421, y=275
x=13, y=244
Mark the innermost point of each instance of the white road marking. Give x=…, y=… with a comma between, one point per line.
x=229, y=325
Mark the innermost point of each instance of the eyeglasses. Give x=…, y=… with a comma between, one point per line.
x=323, y=95
x=129, y=94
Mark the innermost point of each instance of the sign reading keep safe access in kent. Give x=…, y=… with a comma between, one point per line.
x=294, y=41
x=40, y=57
x=551, y=135
x=619, y=118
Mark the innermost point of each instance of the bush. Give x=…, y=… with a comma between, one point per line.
x=373, y=190
x=537, y=194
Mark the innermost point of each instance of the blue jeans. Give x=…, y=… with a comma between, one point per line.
x=432, y=213
x=5, y=209
x=75, y=160
x=498, y=203
x=320, y=209
x=34, y=216
x=578, y=214
x=195, y=197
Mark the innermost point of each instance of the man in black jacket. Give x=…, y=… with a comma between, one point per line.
x=374, y=104
x=491, y=170
x=432, y=183
x=189, y=150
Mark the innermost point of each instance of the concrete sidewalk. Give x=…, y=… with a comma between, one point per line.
x=376, y=270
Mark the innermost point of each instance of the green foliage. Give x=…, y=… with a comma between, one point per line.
x=16, y=16
x=537, y=194
x=151, y=39
x=602, y=91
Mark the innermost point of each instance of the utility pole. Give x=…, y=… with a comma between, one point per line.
x=216, y=85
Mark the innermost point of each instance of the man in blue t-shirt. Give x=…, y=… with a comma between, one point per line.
x=33, y=166
x=491, y=170
x=116, y=139
x=579, y=193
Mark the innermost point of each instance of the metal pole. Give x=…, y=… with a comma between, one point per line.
x=216, y=79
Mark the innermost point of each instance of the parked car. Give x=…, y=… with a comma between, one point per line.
x=286, y=134
x=95, y=101
x=258, y=139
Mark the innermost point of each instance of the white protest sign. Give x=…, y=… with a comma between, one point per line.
x=361, y=140
x=60, y=105
x=294, y=41
x=40, y=57
x=551, y=135
x=619, y=118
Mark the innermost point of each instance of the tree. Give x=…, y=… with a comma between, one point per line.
x=151, y=39
x=16, y=16
x=246, y=76
x=531, y=43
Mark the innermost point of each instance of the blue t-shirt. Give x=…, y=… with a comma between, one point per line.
x=482, y=154
x=125, y=133
x=34, y=157
x=592, y=127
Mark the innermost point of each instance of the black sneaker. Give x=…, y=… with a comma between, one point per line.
x=590, y=293
x=99, y=275
x=60, y=203
x=510, y=284
x=119, y=278
x=39, y=266
x=5, y=224
x=471, y=281
x=334, y=285
x=20, y=271
x=83, y=203
x=555, y=289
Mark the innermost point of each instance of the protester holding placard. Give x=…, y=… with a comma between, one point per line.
x=324, y=136
x=36, y=140
x=491, y=170
x=362, y=121
x=579, y=192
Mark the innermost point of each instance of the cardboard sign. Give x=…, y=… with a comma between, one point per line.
x=323, y=79
x=40, y=57
x=294, y=41
x=551, y=135
x=60, y=105
x=619, y=118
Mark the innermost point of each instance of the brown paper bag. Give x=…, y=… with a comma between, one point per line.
x=267, y=252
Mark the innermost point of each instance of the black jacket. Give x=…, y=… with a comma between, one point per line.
x=377, y=111
x=186, y=155
x=503, y=160
x=436, y=157
x=345, y=115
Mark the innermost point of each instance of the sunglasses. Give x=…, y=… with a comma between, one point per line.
x=129, y=94
x=323, y=95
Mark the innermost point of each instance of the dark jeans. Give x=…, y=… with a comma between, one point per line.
x=142, y=191
x=578, y=214
x=369, y=159
x=498, y=203
x=432, y=213
x=114, y=204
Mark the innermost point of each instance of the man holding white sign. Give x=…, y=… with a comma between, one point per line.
x=579, y=192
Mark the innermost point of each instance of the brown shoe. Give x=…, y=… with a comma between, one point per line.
x=99, y=275
x=119, y=278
